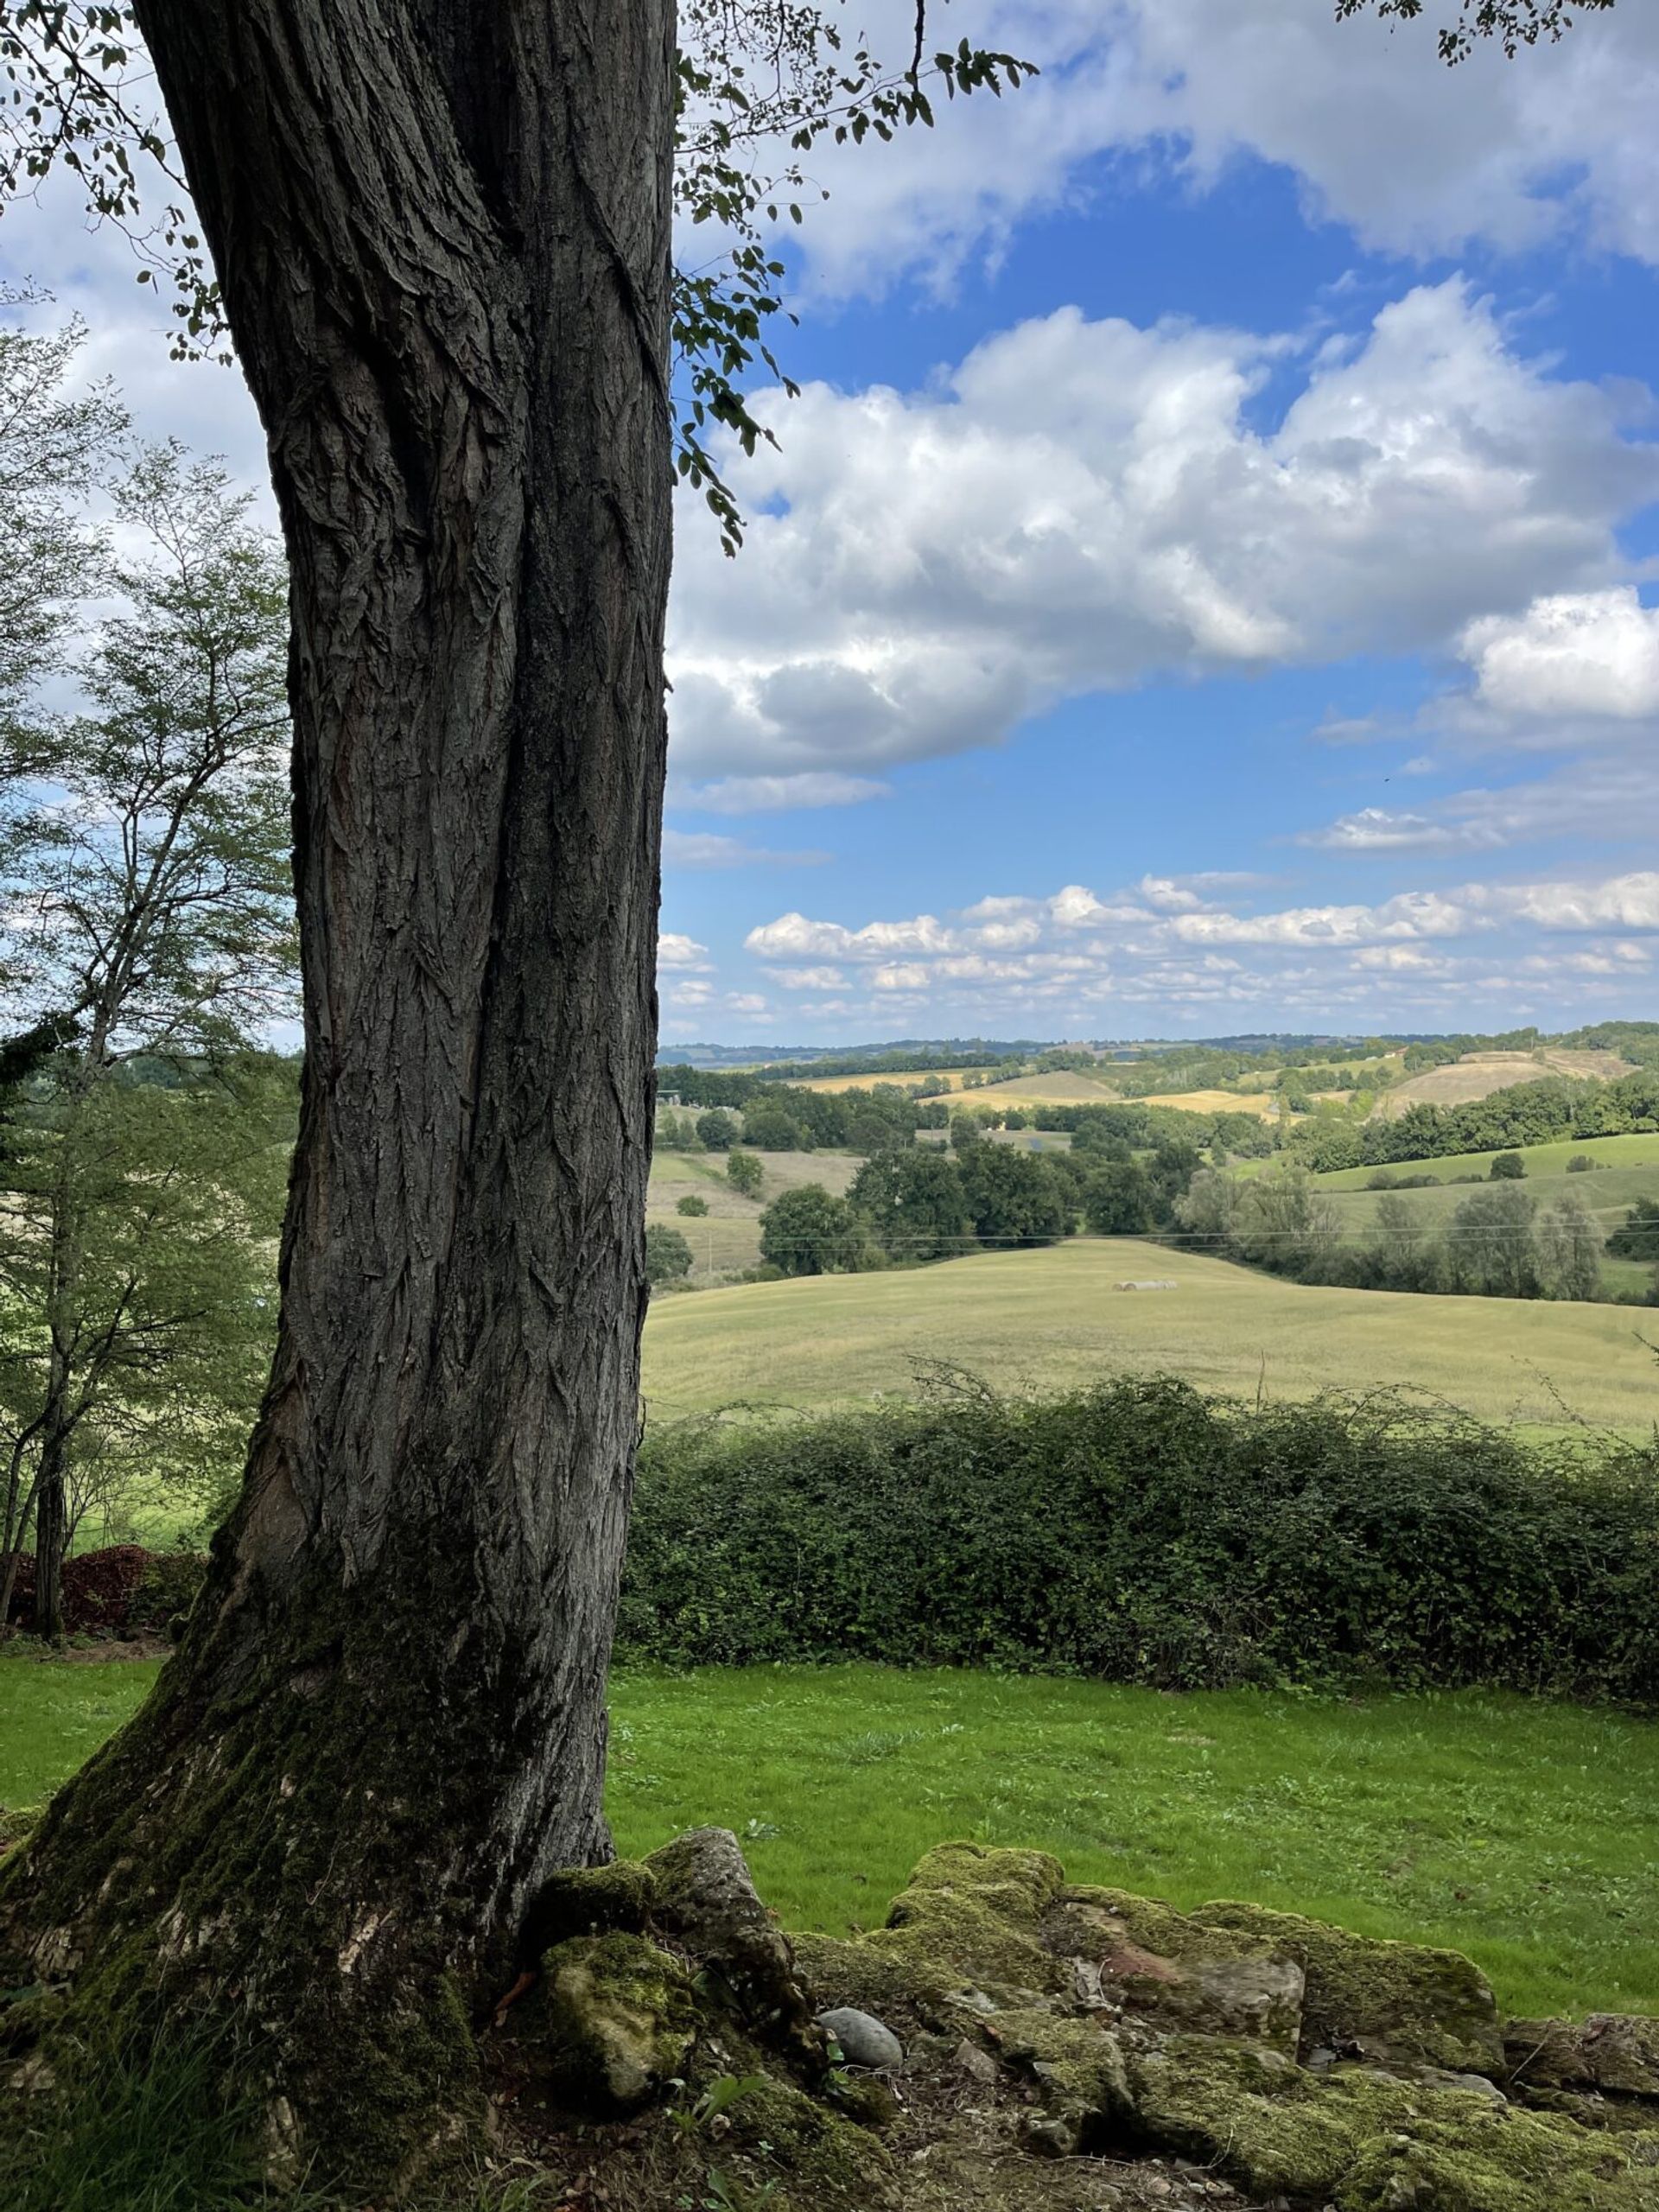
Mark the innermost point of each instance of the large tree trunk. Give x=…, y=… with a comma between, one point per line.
x=442, y=231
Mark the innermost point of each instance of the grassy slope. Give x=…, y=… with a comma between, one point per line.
x=1053, y=1318
x=1478, y=1074
x=1608, y=1153
x=1627, y=1168
x=1527, y=1835
x=727, y=1239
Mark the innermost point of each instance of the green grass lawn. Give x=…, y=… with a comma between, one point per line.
x=1053, y=1320
x=1526, y=1834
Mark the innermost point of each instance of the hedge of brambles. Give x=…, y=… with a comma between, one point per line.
x=1140, y=1533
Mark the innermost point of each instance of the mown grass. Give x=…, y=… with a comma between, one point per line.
x=1053, y=1320
x=1524, y=1833
x=727, y=1239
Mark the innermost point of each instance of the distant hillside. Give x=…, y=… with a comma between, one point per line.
x=1477, y=1075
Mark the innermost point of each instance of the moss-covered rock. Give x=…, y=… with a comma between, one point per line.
x=1142, y=1955
x=973, y=1915
x=591, y=1901
x=825, y=2162
x=1614, y=2052
x=1368, y=2142
x=1395, y=2001
x=704, y=1901
x=1079, y=2067
x=1488, y=2159
x=852, y=1970
x=614, y=2020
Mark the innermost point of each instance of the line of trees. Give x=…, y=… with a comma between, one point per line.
x=911, y=1204
x=1553, y=1110
x=1499, y=1243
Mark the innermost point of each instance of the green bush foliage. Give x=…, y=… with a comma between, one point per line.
x=1140, y=1533
x=668, y=1257
x=692, y=1206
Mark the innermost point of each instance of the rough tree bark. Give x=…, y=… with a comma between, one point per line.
x=442, y=231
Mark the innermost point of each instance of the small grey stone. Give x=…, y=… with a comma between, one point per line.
x=972, y=2060
x=1435, y=2077
x=864, y=2040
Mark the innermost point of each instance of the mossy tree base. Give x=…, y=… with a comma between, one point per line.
x=314, y=1846
x=1067, y=2048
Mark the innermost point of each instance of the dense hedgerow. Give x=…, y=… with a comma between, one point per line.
x=1141, y=1533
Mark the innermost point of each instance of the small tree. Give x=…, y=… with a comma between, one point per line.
x=967, y=1131
x=1636, y=1237
x=769, y=1128
x=745, y=1173
x=716, y=1130
x=692, y=1206
x=1012, y=1198
x=809, y=1232
x=138, y=1296
x=1569, y=1250
x=147, y=898
x=668, y=1257
x=1493, y=1250
x=1120, y=1200
x=1507, y=1168
x=1401, y=1254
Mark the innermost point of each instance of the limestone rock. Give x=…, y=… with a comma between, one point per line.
x=1614, y=2052
x=1135, y=1953
x=864, y=2040
x=1400, y=2001
x=614, y=2018
x=973, y=1915
x=704, y=1900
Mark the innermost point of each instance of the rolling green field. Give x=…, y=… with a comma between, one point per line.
x=1053, y=1320
x=1526, y=1834
x=1627, y=1168
x=727, y=1239
x=1542, y=1159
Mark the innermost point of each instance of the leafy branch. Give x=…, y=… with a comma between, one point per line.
x=1516, y=23
x=756, y=78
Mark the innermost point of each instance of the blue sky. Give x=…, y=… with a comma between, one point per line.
x=1209, y=583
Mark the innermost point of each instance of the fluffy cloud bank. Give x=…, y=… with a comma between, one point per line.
x=1093, y=961
x=1085, y=505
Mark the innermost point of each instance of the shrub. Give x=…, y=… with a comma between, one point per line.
x=1581, y=1164
x=692, y=1206
x=744, y=1174
x=1140, y=1533
x=668, y=1257
x=1507, y=1168
x=122, y=1587
x=716, y=1130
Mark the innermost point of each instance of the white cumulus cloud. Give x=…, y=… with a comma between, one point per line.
x=1083, y=506
x=1569, y=655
